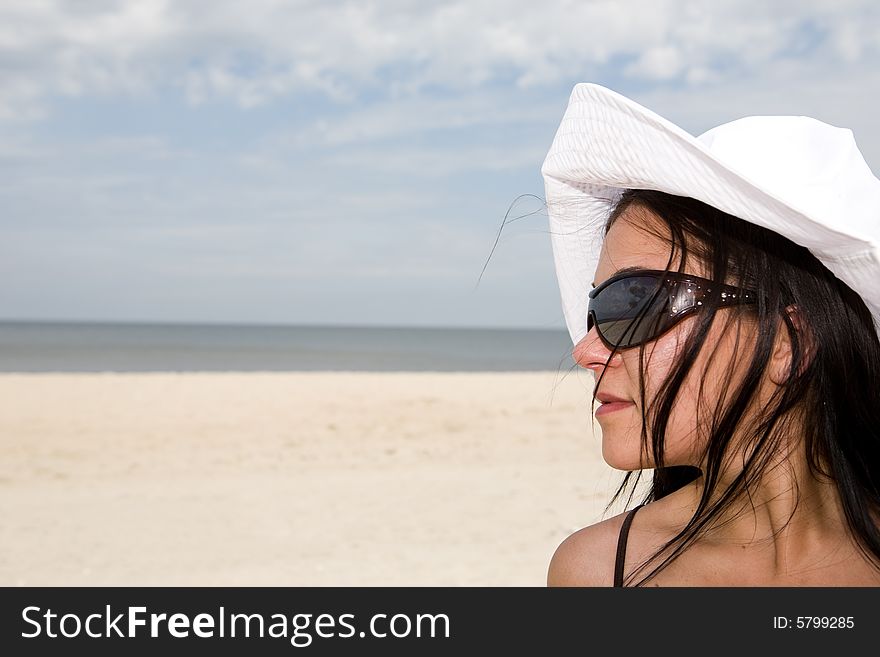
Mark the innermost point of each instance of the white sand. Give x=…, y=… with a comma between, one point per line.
x=294, y=479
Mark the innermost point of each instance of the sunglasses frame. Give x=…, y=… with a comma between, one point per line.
x=729, y=295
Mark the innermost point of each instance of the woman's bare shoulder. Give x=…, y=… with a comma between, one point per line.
x=586, y=557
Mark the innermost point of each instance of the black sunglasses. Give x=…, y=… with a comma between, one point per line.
x=632, y=308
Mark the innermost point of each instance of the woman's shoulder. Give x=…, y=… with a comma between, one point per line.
x=586, y=557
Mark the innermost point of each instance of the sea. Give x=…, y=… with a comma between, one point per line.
x=142, y=347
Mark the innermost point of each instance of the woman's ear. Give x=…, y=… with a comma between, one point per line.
x=793, y=335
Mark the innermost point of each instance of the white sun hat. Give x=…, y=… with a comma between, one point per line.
x=795, y=175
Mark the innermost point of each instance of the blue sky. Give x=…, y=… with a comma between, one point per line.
x=351, y=162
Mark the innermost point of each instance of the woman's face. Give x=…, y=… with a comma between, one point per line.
x=625, y=246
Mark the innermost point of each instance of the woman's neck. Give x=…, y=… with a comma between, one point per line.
x=790, y=515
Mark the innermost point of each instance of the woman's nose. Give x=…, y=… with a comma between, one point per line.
x=591, y=353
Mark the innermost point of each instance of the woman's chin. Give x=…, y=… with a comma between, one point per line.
x=625, y=462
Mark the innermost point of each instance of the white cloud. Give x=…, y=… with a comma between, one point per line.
x=403, y=117
x=372, y=111
x=438, y=162
x=661, y=63
x=252, y=53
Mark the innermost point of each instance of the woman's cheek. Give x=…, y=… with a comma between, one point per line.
x=661, y=356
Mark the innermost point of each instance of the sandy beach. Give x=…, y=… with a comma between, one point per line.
x=294, y=479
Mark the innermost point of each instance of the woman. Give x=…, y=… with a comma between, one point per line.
x=730, y=321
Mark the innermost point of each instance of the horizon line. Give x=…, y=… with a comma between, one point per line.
x=317, y=325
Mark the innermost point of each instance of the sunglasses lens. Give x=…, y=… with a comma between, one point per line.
x=630, y=311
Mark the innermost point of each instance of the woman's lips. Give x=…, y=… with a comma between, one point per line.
x=611, y=406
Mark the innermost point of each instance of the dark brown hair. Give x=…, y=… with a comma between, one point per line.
x=833, y=385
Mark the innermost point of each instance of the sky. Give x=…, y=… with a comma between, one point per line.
x=351, y=163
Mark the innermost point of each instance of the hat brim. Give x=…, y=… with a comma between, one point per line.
x=607, y=143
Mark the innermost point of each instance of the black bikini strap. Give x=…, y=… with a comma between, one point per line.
x=620, y=560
